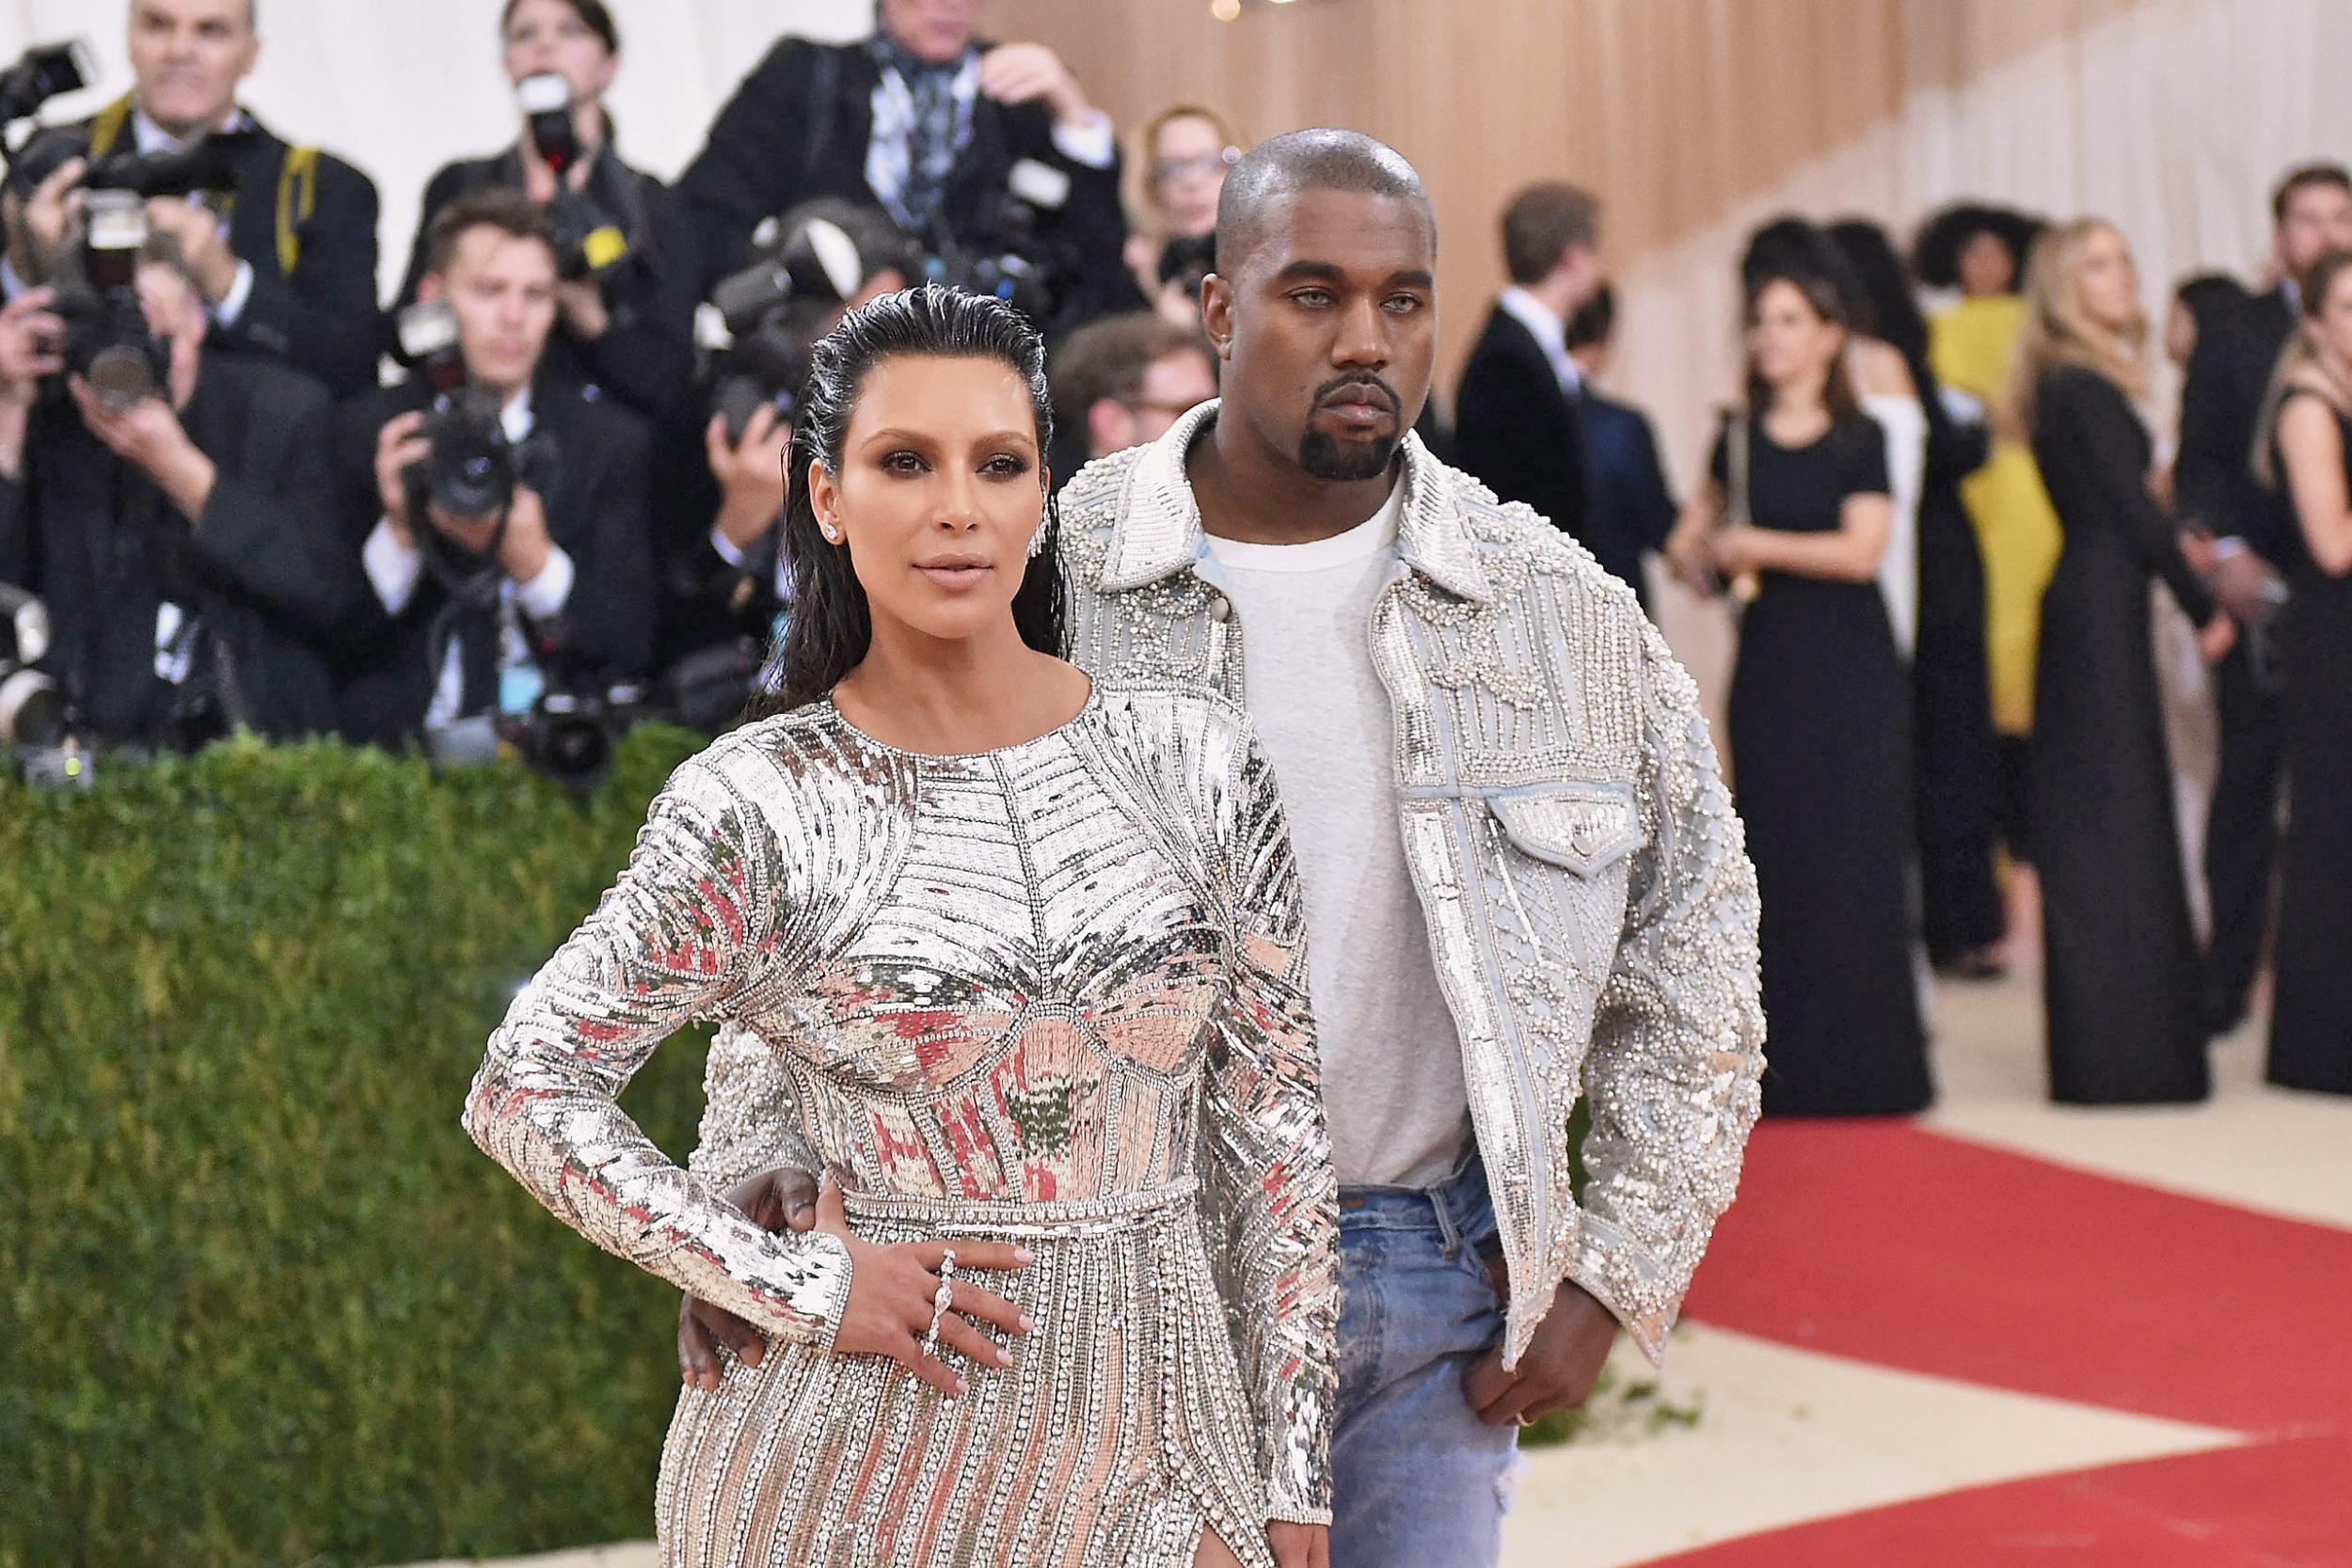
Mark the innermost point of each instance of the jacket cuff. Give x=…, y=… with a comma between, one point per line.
x=1613, y=1271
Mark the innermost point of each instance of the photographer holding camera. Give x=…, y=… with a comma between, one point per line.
x=501, y=523
x=989, y=156
x=624, y=315
x=169, y=505
x=290, y=271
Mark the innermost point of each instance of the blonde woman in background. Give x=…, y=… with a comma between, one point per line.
x=1980, y=251
x=1186, y=150
x=2119, y=978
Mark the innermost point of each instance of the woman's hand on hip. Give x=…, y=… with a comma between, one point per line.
x=893, y=1292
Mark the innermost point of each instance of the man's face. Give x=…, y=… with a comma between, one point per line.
x=502, y=288
x=1329, y=329
x=936, y=31
x=1173, y=386
x=2318, y=219
x=187, y=57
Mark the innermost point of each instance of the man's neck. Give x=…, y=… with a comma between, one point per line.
x=181, y=131
x=1248, y=493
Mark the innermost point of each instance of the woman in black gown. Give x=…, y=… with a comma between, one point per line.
x=1818, y=721
x=1956, y=765
x=2119, y=959
x=2311, y=1023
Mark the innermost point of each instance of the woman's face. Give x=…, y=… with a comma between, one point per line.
x=940, y=490
x=2330, y=331
x=1790, y=343
x=1986, y=267
x=1187, y=172
x=2106, y=285
x=549, y=36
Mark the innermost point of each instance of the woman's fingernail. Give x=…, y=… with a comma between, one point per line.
x=1024, y=1255
x=1027, y=1323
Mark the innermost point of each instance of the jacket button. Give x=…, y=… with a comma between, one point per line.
x=1220, y=608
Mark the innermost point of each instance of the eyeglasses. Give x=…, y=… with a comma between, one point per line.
x=1165, y=169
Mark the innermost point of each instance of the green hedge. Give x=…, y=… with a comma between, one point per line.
x=265, y=1302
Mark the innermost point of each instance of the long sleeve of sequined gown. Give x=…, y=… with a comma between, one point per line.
x=676, y=938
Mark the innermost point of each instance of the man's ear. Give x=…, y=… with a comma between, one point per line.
x=1217, y=313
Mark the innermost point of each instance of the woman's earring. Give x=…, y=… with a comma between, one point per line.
x=833, y=535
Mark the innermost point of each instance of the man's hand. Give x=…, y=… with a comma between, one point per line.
x=32, y=346
x=523, y=552
x=2243, y=583
x=580, y=303
x=750, y=473
x=399, y=448
x=777, y=1201
x=2215, y=638
x=1024, y=73
x=1562, y=1364
x=197, y=229
x=1299, y=1545
x=37, y=230
x=148, y=437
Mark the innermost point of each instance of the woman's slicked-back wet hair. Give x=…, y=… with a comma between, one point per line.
x=829, y=625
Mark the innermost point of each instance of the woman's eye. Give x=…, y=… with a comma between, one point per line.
x=902, y=462
x=1006, y=465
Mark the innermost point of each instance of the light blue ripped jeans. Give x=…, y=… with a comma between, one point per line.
x=1416, y=1480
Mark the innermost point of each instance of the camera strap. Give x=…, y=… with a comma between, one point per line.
x=297, y=179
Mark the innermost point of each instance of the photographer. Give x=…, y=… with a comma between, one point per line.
x=1122, y=381
x=178, y=538
x=826, y=257
x=290, y=272
x=543, y=584
x=979, y=151
x=624, y=317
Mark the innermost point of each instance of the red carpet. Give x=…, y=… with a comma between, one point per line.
x=1885, y=1244
x=1889, y=1244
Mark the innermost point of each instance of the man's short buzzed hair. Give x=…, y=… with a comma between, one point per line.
x=1543, y=223
x=1325, y=158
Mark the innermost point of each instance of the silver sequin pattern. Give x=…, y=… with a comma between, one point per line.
x=1588, y=897
x=1055, y=991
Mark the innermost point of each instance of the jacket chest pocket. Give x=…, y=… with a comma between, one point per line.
x=1580, y=837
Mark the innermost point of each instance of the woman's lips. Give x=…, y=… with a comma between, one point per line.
x=956, y=575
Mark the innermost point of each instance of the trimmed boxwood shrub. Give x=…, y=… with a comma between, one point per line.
x=265, y=1304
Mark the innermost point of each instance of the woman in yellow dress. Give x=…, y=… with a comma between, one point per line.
x=1980, y=250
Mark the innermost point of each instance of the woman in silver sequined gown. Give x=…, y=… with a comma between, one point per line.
x=1048, y=993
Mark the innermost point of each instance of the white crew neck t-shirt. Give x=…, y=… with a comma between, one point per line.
x=1391, y=1061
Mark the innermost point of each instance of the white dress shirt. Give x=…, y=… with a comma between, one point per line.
x=1551, y=335
x=394, y=570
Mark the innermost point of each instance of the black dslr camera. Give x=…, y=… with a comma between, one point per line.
x=472, y=470
x=1009, y=255
x=108, y=342
x=764, y=319
x=41, y=73
x=589, y=241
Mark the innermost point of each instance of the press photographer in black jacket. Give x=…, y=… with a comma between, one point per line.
x=476, y=612
x=624, y=315
x=182, y=539
x=973, y=147
x=290, y=272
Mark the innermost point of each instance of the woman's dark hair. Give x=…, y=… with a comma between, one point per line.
x=828, y=623
x=1885, y=306
x=596, y=14
x=2206, y=293
x=1935, y=253
x=1829, y=303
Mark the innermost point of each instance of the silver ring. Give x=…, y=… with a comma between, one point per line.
x=1527, y=1420
x=942, y=1299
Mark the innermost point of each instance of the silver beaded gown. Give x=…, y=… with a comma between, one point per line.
x=1052, y=993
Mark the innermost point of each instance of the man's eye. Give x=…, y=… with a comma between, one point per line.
x=1312, y=296
x=1405, y=305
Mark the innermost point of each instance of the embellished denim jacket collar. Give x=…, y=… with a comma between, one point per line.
x=1159, y=533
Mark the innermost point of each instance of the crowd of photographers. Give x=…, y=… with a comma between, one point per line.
x=538, y=496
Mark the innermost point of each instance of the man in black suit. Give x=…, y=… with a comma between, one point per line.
x=1628, y=509
x=182, y=541
x=2228, y=376
x=472, y=615
x=1517, y=418
x=989, y=148
x=290, y=272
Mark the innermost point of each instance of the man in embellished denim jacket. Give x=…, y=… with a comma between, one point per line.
x=1525, y=882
